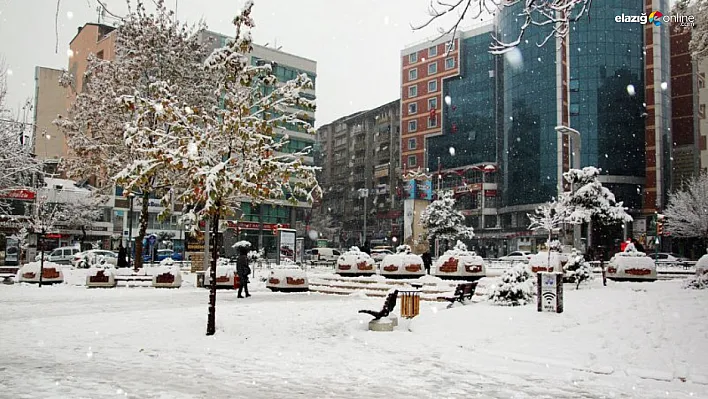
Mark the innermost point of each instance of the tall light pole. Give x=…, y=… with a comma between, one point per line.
x=574, y=138
x=364, y=193
x=131, y=196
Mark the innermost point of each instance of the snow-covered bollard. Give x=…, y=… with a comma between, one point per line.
x=631, y=266
x=460, y=263
x=98, y=277
x=402, y=264
x=289, y=278
x=167, y=277
x=51, y=273
x=356, y=263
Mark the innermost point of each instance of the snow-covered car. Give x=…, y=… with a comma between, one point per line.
x=459, y=263
x=86, y=259
x=162, y=254
x=631, y=266
x=355, y=262
x=402, y=264
x=379, y=254
x=517, y=256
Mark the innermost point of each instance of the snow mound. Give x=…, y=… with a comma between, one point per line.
x=515, y=287
x=429, y=279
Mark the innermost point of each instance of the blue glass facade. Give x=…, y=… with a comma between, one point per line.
x=606, y=57
x=469, y=119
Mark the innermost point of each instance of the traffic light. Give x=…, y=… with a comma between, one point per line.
x=659, y=227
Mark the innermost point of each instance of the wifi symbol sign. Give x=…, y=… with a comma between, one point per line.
x=549, y=297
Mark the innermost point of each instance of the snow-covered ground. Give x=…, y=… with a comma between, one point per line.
x=627, y=340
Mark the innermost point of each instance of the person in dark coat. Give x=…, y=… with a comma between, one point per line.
x=427, y=261
x=121, y=256
x=640, y=247
x=243, y=270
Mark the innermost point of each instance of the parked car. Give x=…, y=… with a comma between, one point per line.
x=664, y=257
x=518, y=256
x=62, y=255
x=324, y=255
x=84, y=260
x=378, y=254
x=163, y=254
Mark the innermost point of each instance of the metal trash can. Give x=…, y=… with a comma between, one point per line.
x=410, y=304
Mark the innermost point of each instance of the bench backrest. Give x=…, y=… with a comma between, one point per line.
x=390, y=303
x=460, y=289
x=469, y=289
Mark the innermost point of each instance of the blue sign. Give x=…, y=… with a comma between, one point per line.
x=426, y=190
x=410, y=189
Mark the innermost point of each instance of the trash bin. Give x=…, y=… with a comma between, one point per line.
x=410, y=304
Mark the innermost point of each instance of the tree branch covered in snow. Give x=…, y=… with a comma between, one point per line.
x=548, y=218
x=559, y=14
x=687, y=212
x=443, y=221
x=18, y=163
x=590, y=200
x=698, y=45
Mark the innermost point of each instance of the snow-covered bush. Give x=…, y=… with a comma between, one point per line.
x=577, y=269
x=516, y=287
x=697, y=282
x=256, y=256
x=403, y=249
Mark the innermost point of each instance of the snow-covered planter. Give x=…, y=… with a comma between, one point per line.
x=702, y=265
x=631, y=265
x=402, y=263
x=287, y=278
x=539, y=262
x=459, y=263
x=51, y=273
x=355, y=262
x=515, y=287
x=167, y=277
x=101, y=277
x=225, y=275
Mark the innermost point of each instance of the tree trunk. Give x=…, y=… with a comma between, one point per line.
x=211, y=320
x=41, y=259
x=83, y=237
x=141, y=232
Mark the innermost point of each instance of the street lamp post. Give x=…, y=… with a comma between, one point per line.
x=364, y=193
x=574, y=138
x=131, y=196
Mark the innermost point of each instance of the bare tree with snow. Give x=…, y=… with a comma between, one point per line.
x=234, y=153
x=558, y=14
x=442, y=221
x=19, y=166
x=117, y=120
x=548, y=218
x=687, y=212
x=698, y=9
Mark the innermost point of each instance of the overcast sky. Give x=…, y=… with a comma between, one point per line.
x=356, y=43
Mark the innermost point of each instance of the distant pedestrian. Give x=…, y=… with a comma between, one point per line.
x=122, y=262
x=243, y=271
x=427, y=261
x=638, y=245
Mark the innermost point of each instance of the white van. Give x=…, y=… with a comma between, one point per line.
x=62, y=255
x=324, y=255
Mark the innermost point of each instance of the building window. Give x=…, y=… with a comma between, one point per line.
x=432, y=86
x=412, y=91
x=450, y=46
x=412, y=161
x=432, y=103
x=433, y=122
x=413, y=57
x=412, y=144
x=574, y=109
x=432, y=68
x=574, y=85
x=702, y=80
x=413, y=74
x=449, y=63
x=412, y=108
x=702, y=111
x=412, y=126
x=433, y=51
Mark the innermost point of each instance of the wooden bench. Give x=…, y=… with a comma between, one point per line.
x=462, y=291
x=388, y=307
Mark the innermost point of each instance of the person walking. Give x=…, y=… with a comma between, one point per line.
x=427, y=261
x=243, y=271
x=121, y=256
